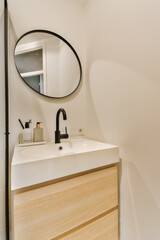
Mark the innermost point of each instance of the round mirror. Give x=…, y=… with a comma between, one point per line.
x=48, y=63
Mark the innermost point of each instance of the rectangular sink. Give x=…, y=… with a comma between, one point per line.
x=39, y=163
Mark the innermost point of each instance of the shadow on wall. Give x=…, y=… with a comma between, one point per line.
x=119, y=103
x=94, y=128
x=123, y=109
x=128, y=223
x=147, y=210
x=139, y=210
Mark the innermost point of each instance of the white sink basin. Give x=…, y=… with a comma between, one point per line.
x=40, y=163
x=51, y=150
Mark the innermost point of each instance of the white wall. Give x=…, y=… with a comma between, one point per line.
x=56, y=16
x=52, y=67
x=122, y=93
x=123, y=103
x=69, y=71
x=2, y=128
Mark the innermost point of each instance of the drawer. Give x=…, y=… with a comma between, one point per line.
x=50, y=211
x=105, y=228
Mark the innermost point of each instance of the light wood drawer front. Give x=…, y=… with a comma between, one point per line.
x=49, y=211
x=105, y=228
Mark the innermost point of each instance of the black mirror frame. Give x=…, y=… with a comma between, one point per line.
x=60, y=37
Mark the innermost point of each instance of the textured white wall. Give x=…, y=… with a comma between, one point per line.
x=2, y=128
x=122, y=93
x=123, y=103
x=56, y=16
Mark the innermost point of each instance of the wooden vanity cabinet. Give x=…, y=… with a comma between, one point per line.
x=77, y=208
x=104, y=228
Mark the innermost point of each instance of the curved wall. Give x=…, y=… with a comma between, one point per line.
x=123, y=103
x=56, y=16
x=121, y=106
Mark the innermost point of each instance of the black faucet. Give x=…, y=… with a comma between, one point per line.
x=58, y=135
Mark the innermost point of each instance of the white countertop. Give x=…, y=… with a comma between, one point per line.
x=40, y=163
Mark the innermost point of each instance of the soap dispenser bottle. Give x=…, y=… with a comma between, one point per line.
x=38, y=133
x=27, y=132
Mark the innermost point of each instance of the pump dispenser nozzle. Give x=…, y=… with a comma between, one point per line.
x=27, y=123
x=38, y=124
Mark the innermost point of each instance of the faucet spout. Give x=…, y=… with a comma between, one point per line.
x=61, y=110
x=58, y=135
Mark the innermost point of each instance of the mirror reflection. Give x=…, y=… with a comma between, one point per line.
x=48, y=63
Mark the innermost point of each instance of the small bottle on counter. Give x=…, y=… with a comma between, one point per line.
x=20, y=138
x=38, y=133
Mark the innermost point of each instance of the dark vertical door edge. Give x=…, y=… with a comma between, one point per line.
x=7, y=184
